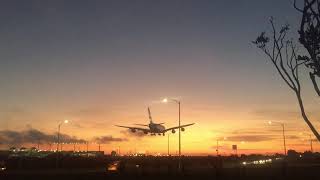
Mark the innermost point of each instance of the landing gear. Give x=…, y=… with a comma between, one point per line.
x=163, y=134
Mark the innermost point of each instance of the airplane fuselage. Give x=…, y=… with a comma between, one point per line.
x=156, y=128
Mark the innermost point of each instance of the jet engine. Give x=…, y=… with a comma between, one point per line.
x=145, y=132
x=133, y=130
x=173, y=131
x=182, y=129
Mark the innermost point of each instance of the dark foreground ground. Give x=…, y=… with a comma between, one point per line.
x=312, y=173
x=162, y=168
x=305, y=172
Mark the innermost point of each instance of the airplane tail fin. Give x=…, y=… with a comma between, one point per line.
x=150, y=117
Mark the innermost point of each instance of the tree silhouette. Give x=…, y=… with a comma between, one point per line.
x=310, y=38
x=282, y=53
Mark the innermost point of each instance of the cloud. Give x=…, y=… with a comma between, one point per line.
x=274, y=131
x=258, y=135
x=70, y=139
x=137, y=134
x=292, y=137
x=250, y=138
x=88, y=112
x=277, y=114
x=221, y=146
x=283, y=114
x=33, y=136
x=252, y=131
x=108, y=139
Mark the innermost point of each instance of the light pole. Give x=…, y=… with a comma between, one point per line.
x=168, y=144
x=218, y=145
x=311, y=148
x=283, y=134
x=179, y=104
x=87, y=143
x=59, y=126
x=310, y=139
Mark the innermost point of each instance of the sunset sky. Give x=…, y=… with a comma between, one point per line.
x=102, y=63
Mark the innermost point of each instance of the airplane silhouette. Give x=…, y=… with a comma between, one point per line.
x=155, y=128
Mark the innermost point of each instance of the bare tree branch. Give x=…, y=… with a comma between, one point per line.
x=287, y=63
x=314, y=82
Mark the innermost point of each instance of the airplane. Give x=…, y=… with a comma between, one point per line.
x=155, y=128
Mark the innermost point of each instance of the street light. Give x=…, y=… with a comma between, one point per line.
x=59, y=126
x=310, y=138
x=58, y=144
x=283, y=134
x=165, y=100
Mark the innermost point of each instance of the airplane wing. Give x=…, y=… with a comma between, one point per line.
x=177, y=127
x=135, y=128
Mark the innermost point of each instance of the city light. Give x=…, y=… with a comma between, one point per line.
x=257, y=162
